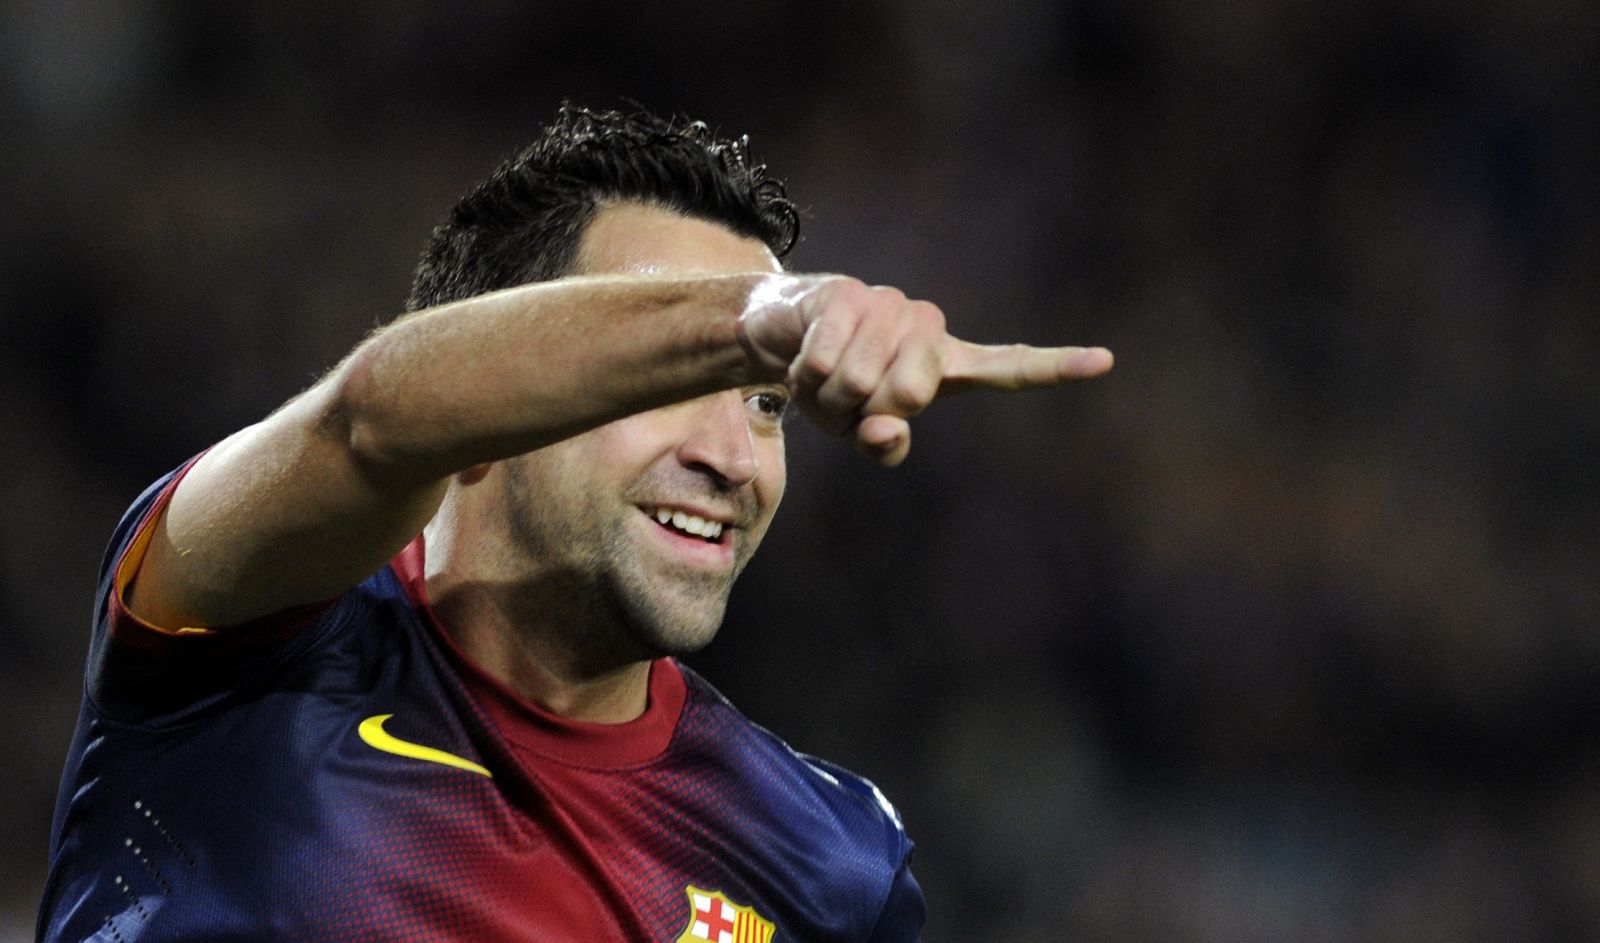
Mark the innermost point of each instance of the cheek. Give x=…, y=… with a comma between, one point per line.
x=631, y=443
x=772, y=478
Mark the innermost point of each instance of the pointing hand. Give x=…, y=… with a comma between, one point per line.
x=862, y=360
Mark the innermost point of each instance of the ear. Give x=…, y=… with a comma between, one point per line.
x=471, y=476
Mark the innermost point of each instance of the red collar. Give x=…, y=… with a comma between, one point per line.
x=536, y=730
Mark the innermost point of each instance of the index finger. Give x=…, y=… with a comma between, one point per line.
x=970, y=366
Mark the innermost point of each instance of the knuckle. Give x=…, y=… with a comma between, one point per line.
x=823, y=342
x=851, y=293
x=889, y=295
x=928, y=316
x=908, y=396
x=813, y=364
x=824, y=332
x=856, y=383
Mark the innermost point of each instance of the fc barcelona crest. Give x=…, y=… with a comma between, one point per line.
x=713, y=918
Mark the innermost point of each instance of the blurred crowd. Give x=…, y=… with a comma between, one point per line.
x=1286, y=631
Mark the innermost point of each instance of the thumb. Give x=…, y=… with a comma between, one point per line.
x=884, y=439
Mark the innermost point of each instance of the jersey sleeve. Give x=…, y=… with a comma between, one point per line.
x=901, y=917
x=903, y=913
x=137, y=667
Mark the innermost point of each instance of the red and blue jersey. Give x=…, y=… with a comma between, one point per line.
x=345, y=773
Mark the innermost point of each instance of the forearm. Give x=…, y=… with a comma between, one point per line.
x=506, y=373
x=311, y=499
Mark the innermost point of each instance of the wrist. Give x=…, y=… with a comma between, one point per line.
x=772, y=323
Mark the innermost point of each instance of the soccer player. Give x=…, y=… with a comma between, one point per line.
x=396, y=662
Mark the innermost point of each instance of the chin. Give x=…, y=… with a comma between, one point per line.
x=659, y=621
x=663, y=632
x=676, y=640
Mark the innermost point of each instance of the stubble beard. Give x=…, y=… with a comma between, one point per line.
x=611, y=606
x=674, y=613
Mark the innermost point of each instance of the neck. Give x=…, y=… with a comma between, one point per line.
x=522, y=634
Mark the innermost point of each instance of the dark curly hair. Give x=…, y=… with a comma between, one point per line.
x=523, y=224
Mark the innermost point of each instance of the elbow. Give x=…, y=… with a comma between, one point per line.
x=385, y=426
x=356, y=413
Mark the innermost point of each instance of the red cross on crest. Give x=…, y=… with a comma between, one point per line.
x=715, y=921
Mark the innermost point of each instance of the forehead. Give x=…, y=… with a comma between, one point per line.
x=638, y=239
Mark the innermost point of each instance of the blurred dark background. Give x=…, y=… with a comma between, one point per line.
x=1287, y=631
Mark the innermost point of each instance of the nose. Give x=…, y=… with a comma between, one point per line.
x=716, y=440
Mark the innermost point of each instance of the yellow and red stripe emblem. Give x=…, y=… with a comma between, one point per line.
x=713, y=918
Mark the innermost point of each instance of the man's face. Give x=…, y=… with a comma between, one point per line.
x=587, y=511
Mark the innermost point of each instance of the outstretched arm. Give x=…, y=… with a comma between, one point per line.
x=312, y=499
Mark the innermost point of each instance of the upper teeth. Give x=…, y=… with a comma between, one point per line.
x=698, y=526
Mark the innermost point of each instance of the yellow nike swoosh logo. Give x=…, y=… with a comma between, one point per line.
x=373, y=735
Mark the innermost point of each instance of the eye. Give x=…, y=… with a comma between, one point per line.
x=772, y=403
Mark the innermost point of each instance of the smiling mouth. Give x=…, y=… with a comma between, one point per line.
x=688, y=525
